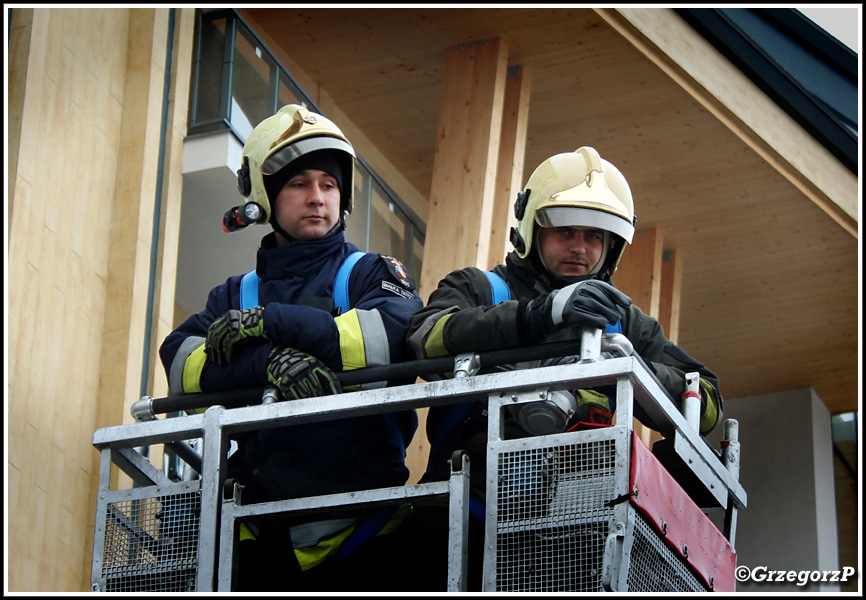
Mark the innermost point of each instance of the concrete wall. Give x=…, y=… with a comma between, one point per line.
x=787, y=472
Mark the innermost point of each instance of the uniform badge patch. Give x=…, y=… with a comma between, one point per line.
x=396, y=268
x=396, y=289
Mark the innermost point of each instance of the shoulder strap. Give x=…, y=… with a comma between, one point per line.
x=250, y=290
x=341, y=283
x=498, y=288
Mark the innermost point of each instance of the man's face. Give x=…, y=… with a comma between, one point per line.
x=308, y=206
x=570, y=251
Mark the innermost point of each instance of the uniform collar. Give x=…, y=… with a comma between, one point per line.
x=298, y=258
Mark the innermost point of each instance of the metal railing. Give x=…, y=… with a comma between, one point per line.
x=603, y=360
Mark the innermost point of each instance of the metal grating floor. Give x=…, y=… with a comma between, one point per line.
x=151, y=544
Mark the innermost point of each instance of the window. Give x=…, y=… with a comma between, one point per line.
x=237, y=83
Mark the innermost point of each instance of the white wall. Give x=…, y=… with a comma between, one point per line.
x=787, y=472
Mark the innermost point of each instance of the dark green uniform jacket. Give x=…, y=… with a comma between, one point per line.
x=459, y=317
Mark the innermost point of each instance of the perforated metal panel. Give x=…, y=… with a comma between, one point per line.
x=653, y=566
x=151, y=544
x=551, y=516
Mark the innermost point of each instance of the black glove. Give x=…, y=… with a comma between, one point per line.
x=591, y=304
x=232, y=328
x=299, y=375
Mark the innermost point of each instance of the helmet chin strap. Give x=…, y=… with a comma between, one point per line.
x=337, y=228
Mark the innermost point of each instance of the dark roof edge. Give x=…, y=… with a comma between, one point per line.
x=814, y=116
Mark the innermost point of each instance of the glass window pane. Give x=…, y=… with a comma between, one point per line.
x=288, y=95
x=253, y=84
x=357, y=222
x=387, y=229
x=417, y=256
x=210, y=64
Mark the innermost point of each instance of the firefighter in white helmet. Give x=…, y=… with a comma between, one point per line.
x=575, y=218
x=314, y=306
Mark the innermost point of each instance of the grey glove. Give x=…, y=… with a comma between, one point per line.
x=591, y=304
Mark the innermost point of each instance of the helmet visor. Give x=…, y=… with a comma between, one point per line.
x=282, y=157
x=570, y=216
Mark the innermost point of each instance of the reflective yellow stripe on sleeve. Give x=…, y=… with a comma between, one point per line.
x=434, y=345
x=192, y=369
x=351, y=341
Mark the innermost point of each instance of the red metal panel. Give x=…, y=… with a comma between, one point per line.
x=681, y=523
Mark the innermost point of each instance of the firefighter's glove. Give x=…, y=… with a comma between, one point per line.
x=231, y=329
x=588, y=304
x=299, y=375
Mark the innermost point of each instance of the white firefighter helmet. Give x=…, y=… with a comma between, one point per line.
x=577, y=189
x=293, y=132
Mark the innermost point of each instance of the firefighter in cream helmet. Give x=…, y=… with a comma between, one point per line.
x=314, y=306
x=575, y=218
x=282, y=145
x=577, y=189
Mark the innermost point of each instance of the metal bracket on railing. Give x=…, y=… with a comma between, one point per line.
x=616, y=344
x=466, y=364
x=142, y=410
x=270, y=395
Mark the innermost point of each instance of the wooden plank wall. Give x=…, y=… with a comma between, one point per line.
x=88, y=95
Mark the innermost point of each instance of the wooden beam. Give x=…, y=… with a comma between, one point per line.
x=672, y=281
x=465, y=160
x=512, y=154
x=720, y=87
x=640, y=271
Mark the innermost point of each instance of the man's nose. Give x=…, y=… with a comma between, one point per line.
x=316, y=196
x=577, y=242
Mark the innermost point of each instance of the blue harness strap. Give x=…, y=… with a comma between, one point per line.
x=341, y=283
x=250, y=290
x=498, y=288
x=250, y=285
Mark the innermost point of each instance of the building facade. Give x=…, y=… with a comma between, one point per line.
x=113, y=156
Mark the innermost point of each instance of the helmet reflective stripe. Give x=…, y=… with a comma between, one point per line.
x=577, y=189
x=282, y=138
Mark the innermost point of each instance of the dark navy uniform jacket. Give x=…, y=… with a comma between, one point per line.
x=296, y=284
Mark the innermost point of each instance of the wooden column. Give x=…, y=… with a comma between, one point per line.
x=512, y=154
x=464, y=180
x=640, y=276
x=672, y=279
x=640, y=271
x=465, y=161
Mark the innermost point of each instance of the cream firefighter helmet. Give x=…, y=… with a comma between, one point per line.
x=293, y=132
x=577, y=189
